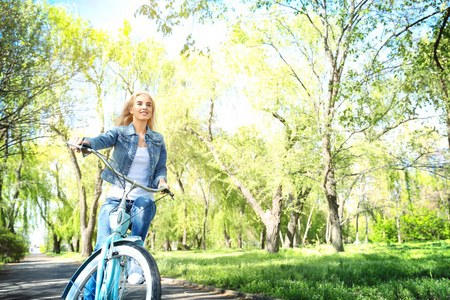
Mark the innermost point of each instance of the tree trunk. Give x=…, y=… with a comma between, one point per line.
x=167, y=245
x=328, y=230
x=357, y=232
x=205, y=218
x=297, y=233
x=272, y=222
x=11, y=212
x=184, y=239
x=151, y=239
x=281, y=239
x=5, y=137
x=226, y=237
x=367, y=228
x=448, y=208
x=75, y=244
x=88, y=226
x=329, y=187
x=262, y=238
x=71, y=248
x=199, y=238
x=185, y=245
x=294, y=217
x=357, y=224
x=273, y=242
x=153, y=244
x=56, y=244
x=336, y=229
x=397, y=219
x=399, y=235
x=291, y=229
x=308, y=225
x=241, y=217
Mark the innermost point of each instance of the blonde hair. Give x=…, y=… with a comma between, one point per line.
x=125, y=118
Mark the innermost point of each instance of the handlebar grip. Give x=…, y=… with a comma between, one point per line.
x=168, y=192
x=84, y=148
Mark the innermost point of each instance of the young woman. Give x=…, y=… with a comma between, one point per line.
x=140, y=154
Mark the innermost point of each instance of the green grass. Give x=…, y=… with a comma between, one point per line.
x=67, y=255
x=375, y=271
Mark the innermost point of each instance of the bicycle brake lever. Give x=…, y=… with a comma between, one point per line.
x=85, y=149
x=166, y=191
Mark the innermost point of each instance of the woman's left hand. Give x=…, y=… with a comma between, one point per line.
x=163, y=183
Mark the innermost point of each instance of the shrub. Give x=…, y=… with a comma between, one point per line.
x=416, y=225
x=384, y=230
x=13, y=248
x=424, y=224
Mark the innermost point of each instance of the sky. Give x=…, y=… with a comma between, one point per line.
x=110, y=15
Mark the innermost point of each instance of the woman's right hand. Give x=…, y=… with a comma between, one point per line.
x=76, y=141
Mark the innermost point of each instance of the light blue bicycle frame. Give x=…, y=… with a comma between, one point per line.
x=119, y=222
x=107, y=287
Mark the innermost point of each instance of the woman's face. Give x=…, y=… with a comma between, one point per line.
x=142, y=109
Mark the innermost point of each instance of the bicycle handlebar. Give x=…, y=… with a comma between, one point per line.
x=85, y=148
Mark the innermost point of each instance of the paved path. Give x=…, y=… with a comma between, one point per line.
x=44, y=277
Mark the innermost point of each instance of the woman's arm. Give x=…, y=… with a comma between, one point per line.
x=161, y=169
x=104, y=140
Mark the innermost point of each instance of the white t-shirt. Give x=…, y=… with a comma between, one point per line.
x=139, y=171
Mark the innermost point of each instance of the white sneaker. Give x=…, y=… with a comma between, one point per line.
x=135, y=273
x=135, y=278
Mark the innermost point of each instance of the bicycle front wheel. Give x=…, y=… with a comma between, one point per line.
x=150, y=289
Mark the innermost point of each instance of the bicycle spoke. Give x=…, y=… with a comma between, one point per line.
x=116, y=274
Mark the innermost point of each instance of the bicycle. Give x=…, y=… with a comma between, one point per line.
x=107, y=268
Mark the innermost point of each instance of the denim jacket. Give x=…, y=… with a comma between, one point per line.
x=125, y=142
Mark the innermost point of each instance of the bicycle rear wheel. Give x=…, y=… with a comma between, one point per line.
x=124, y=251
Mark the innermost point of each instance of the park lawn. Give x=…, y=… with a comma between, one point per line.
x=416, y=270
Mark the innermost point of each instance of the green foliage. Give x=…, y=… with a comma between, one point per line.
x=424, y=224
x=407, y=271
x=169, y=14
x=416, y=225
x=13, y=247
x=384, y=230
x=40, y=46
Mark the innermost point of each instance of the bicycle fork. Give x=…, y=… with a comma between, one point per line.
x=107, y=283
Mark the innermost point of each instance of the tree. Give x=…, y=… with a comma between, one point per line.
x=92, y=58
x=271, y=217
x=44, y=190
x=429, y=77
x=39, y=53
x=346, y=35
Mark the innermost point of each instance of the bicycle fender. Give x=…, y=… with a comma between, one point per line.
x=133, y=238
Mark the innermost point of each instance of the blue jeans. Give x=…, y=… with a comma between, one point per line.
x=142, y=211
